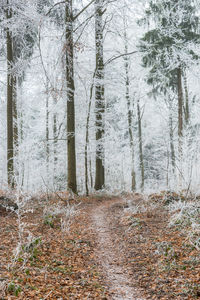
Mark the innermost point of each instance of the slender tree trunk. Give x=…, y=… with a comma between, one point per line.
x=167, y=179
x=47, y=130
x=86, y=165
x=15, y=116
x=21, y=121
x=10, y=84
x=129, y=115
x=20, y=134
x=71, y=147
x=171, y=135
x=140, y=145
x=15, y=129
x=86, y=146
x=87, y=135
x=180, y=104
x=55, y=140
x=180, y=122
x=99, y=97
x=187, y=112
x=91, y=177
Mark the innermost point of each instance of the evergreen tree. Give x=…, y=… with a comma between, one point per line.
x=169, y=49
x=169, y=45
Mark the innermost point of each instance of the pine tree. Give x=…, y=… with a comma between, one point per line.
x=168, y=49
x=170, y=44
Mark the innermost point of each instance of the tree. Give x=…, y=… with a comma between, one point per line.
x=71, y=147
x=129, y=113
x=99, y=96
x=140, y=144
x=20, y=40
x=10, y=90
x=169, y=48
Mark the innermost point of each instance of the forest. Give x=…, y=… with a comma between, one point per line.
x=100, y=149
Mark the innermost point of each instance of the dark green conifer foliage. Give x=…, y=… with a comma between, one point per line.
x=169, y=44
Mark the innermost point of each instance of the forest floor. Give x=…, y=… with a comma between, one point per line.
x=104, y=251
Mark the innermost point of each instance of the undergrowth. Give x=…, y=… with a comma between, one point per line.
x=185, y=215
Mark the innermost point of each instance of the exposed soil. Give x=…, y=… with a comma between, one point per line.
x=110, y=253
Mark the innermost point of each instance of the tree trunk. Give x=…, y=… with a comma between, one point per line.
x=130, y=116
x=140, y=146
x=71, y=148
x=47, y=131
x=20, y=134
x=180, y=122
x=86, y=164
x=10, y=84
x=187, y=112
x=55, y=140
x=171, y=135
x=99, y=97
x=91, y=177
x=87, y=136
x=87, y=142
x=15, y=116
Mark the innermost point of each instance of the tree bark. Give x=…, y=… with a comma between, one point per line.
x=140, y=145
x=99, y=97
x=71, y=147
x=86, y=162
x=180, y=103
x=171, y=135
x=187, y=112
x=10, y=84
x=15, y=116
x=47, y=131
x=130, y=117
x=180, y=122
x=172, y=144
x=55, y=140
x=87, y=138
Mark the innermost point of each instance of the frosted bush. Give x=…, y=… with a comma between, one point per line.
x=187, y=213
x=176, y=205
x=66, y=215
x=134, y=209
x=194, y=235
x=187, y=216
x=67, y=218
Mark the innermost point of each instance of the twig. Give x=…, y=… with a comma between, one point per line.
x=48, y=295
x=118, y=56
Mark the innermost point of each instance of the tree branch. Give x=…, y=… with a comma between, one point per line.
x=58, y=3
x=118, y=56
x=86, y=21
x=82, y=10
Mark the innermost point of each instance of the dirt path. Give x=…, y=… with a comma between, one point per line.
x=110, y=254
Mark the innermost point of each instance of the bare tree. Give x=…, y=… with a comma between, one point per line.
x=140, y=144
x=186, y=106
x=99, y=96
x=71, y=148
x=180, y=121
x=47, y=129
x=10, y=90
x=129, y=113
